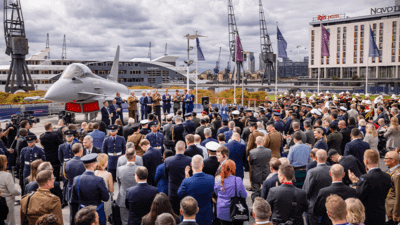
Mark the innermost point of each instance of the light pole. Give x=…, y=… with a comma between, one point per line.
x=189, y=62
x=298, y=52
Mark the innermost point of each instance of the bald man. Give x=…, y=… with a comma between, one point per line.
x=259, y=160
x=392, y=202
x=317, y=178
x=337, y=187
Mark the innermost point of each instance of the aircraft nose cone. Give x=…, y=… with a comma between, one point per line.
x=55, y=93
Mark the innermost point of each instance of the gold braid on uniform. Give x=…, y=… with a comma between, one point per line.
x=172, y=133
x=65, y=175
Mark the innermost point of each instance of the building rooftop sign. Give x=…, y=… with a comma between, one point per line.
x=330, y=17
x=388, y=9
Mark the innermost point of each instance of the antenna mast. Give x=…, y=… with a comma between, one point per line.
x=64, y=49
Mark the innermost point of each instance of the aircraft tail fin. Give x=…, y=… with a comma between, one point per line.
x=114, y=70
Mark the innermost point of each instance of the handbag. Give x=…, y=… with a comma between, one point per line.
x=239, y=211
x=99, y=209
x=26, y=221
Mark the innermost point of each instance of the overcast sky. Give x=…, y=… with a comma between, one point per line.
x=94, y=28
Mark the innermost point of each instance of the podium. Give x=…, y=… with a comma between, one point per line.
x=157, y=112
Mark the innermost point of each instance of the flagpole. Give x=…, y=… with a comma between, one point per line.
x=276, y=66
x=197, y=59
x=234, y=86
x=366, y=75
x=320, y=60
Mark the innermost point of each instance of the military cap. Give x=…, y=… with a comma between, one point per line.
x=69, y=133
x=236, y=112
x=194, y=114
x=343, y=109
x=154, y=124
x=143, y=122
x=262, y=111
x=277, y=114
x=204, y=112
x=212, y=146
x=252, y=124
x=136, y=125
x=248, y=110
x=30, y=138
x=113, y=128
x=333, y=107
x=89, y=158
x=294, y=114
x=309, y=106
x=270, y=123
x=188, y=114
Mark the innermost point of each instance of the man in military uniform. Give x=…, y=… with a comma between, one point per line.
x=65, y=150
x=42, y=201
x=249, y=117
x=190, y=126
x=132, y=101
x=224, y=128
x=178, y=130
x=145, y=124
x=30, y=154
x=156, y=138
x=119, y=102
x=114, y=146
x=224, y=110
x=279, y=124
x=89, y=189
x=177, y=102
x=156, y=103
x=50, y=142
x=195, y=120
x=135, y=138
x=237, y=121
x=166, y=98
x=72, y=169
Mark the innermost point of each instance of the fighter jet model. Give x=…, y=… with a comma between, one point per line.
x=82, y=91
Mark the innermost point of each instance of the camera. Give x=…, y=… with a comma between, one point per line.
x=27, y=115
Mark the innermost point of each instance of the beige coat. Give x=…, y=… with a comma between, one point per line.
x=273, y=141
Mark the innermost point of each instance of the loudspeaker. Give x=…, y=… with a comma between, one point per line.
x=205, y=98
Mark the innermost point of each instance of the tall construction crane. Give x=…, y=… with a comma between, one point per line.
x=227, y=70
x=216, y=69
x=149, y=55
x=267, y=54
x=18, y=77
x=233, y=31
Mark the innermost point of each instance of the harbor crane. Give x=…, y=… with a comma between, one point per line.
x=216, y=69
x=233, y=31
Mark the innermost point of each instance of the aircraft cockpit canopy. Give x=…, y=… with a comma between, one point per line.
x=76, y=70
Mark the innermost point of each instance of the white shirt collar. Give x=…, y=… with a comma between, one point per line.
x=189, y=220
x=337, y=182
x=264, y=222
x=142, y=182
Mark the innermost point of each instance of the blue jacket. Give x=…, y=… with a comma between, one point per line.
x=203, y=143
x=29, y=155
x=279, y=126
x=224, y=113
x=98, y=138
x=228, y=135
x=200, y=186
x=237, y=153
x=138, y=200
x=65, y=152
x=175, y=173
x=92, y=189
x=143, y=103
x=112, y=110
x=114, y=149
x=166, y=102
x=268, y=184
x=160, y=179
x=105, y=116
x=156, y=140
x=356, y=148
x=287, y=125
x=151, y=159
x=190, y=126
x=222, y=130
x=73, y=168
x=189, y=99
x=321, y=144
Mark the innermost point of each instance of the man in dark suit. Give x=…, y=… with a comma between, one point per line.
x=149, y=103
x=151, y=159
x=381, y=115
x=106, y=113
x=211, y=164
x=73, y=168
x=259, y=159
x=200, y=129
x=346, y=133
x=188, y=209
x=334, y=139
x=200, y=186
x=337, y=187
x=175, y=173
x=349, y=163
x=191, y=149
x=316, y=179
x=115, y=110
x=128, y=130
x=89, y=189
x=272, y=180
x=166, y=99
x=190, y=126
x=207, y=135
x=50, y=142
x=281, y=198
x=89, y=147
x=195, y=120
x=140, y=197
x=237, y=152
x=169, y=144
x=178, y=131
x=372, y=188
x=357, y=146
x=309, y=133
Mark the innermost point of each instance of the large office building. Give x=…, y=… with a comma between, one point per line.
x=349, y=48
x=289, y=69
x=251, y=62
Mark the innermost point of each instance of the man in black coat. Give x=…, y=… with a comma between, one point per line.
x=191, y=149
x=337, y=187
x=281, y=198
x=357, y=146
x=345, y=133
x=211, y=164
x=106, y=113
x=200, y=129
x=349, y=163
x=189, y=208
x=128, y=130
x=190, y=125
x=175, y=172
x=372, y=189
x=178, y=131
x=151, y=159
x=50, y=142
x=89, y=148
x=317, y=178
x=272, y=180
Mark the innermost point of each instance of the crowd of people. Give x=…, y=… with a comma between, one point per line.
x=311, y=160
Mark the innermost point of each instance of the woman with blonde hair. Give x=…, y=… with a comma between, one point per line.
x=355, y=211
x=7, y=189
x=393, y=134
x=371, y=136
x=102, y=162
x=34, y=167
x=225, y=189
